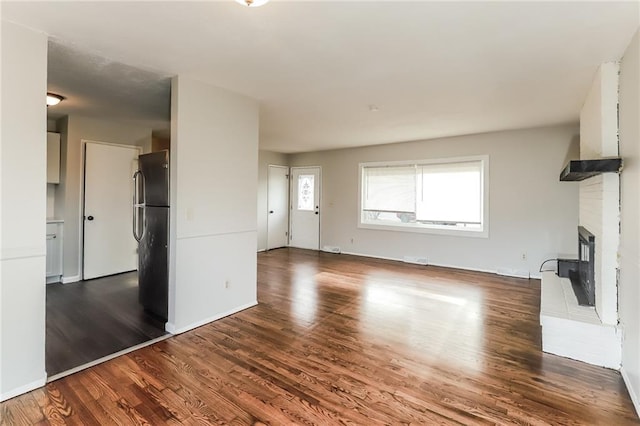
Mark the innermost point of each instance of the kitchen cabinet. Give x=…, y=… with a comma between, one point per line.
x=53, y=157
x=54, y=251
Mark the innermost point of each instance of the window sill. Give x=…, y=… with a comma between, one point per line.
x=472, y=233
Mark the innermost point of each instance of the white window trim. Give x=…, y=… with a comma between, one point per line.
x=432, y=229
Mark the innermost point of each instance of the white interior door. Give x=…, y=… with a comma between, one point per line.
x=109, y=246
x=277, y=203
x=305, y=207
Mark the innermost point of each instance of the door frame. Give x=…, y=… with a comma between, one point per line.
x=83, y=166
x=291, y=188
x=287, y=205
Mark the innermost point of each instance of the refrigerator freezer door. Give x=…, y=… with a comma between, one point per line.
x=155, y=169
x=153, y=272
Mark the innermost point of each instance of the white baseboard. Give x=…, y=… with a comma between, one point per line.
x=631, y=390
x=442, y=265
x=24, y=389
x=372, y=256
x=506, y=272
x=171, y=328
x=261, y=250
x=54, y=279
x=464, y=268
x=71, y=279
x=516, y=273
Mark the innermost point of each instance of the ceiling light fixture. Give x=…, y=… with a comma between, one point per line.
x=53, y=99
x=252, y=3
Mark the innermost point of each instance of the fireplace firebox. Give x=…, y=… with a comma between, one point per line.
x=581, y=271
x=583, y=276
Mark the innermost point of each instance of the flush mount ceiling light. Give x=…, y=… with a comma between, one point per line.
x=252, y=3
x=53, y=99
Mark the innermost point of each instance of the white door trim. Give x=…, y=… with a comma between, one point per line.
x=83, y=144
x=291, y=189
x=288, y=192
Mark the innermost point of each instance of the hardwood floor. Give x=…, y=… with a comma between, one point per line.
x=91, y=319
x=338, y=339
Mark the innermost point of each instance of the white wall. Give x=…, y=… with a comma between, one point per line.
x=52, y=125
x=599, y=196
x=265, y=159
x=51, y=199
x=530, y=211
x=68, y=203
x=22, y=210
x=629, y=283
x=598, y=116
x=214, y=176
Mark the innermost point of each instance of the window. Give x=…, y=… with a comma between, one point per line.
x=439, y=196
x=305, y=192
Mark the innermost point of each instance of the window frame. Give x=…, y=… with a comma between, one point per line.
x=483, y=232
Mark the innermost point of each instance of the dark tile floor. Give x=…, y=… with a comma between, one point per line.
x=91, y=319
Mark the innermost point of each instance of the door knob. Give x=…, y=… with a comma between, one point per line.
x=270, y=211
x=89, y=217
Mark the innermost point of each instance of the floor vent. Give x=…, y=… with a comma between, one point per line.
x=331, y=249
x=415, y=260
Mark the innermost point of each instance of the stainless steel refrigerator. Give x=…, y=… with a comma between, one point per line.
x=151, y=230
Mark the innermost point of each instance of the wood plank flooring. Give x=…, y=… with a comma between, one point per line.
x=338, y=339
x=91, y=319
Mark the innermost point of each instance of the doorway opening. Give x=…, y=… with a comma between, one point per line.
x=92, y=292
x=107, y=311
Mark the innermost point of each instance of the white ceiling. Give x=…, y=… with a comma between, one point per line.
x=99, y=87
x=432, y=69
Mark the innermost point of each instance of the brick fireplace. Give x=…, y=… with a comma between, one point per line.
x=579, y=317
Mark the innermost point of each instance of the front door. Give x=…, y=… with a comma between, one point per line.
x=109, y=246
x=305, y=207
x=278, y=205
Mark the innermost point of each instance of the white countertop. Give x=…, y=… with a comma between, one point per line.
x=54, y=220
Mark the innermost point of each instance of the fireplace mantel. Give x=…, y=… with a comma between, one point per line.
x=577, y=170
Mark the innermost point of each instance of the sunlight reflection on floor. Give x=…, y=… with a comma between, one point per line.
x=304, y=295
x=405, y=307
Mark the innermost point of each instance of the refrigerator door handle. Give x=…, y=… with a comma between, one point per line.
x=139, y=188
x=137, y=206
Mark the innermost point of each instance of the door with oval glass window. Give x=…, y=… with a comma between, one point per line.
x=305, y=208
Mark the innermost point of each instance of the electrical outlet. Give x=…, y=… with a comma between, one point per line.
x=524, y=256
x=226, y=284
x=352, y=241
